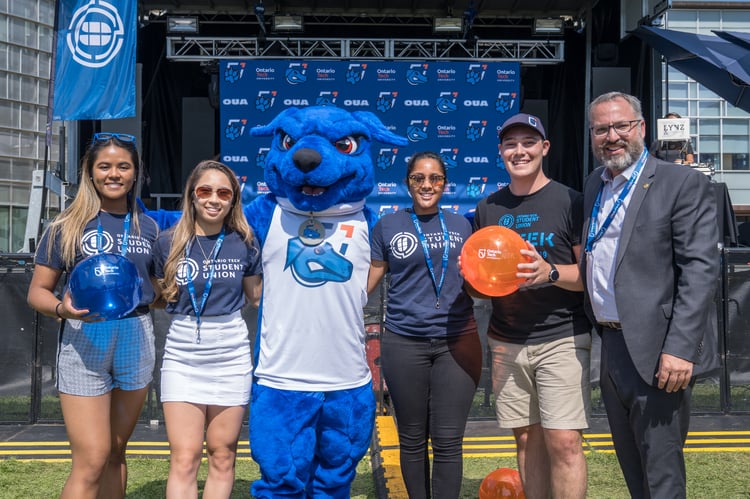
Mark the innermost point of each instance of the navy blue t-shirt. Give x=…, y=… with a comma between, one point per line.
x=411, y=307
x=139, y=247
x=235, y=261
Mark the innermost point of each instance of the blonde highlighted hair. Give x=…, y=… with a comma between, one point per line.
x=184, y=231
x=69, y=225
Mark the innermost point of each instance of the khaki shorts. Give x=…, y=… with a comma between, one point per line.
x=547, y=383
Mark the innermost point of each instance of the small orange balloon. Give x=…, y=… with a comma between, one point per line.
x=490, y=258
x=502, y=483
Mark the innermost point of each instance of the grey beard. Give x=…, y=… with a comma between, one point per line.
x=621, y=163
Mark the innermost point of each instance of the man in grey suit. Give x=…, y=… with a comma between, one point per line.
x=650, y=269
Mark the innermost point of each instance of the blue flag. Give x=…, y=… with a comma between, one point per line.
x=94, y=75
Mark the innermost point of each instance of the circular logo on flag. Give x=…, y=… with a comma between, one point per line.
x=96, y=34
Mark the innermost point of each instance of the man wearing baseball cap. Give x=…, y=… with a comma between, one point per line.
x=539, y=335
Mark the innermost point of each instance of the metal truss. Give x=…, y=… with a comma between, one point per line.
x=211, y=49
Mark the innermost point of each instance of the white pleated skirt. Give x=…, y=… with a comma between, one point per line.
x=215, y=371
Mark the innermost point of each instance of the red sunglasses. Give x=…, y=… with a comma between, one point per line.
x=205, y=192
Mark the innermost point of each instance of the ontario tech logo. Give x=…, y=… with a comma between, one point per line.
x=96, y=34
x=506, y=220
x=89, y=244
x=355, y=73
x=326, y=98
x=475, y=73
x=235, y=129
x=475, y=130
x=234, y=71
x=386, y=101
x=446, y=102
x=265, y=99
x=475, y=186
x=499, y=162
x=295, y=73
x=417, y=74
x=261, y=157
x=504, y=101
x=187, y=271
x=450, y=157
x=386, y=158
x=417, y=130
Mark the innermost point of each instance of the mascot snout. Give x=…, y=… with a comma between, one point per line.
x=306, y=159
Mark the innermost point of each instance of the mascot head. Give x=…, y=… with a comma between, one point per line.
x=320, y=155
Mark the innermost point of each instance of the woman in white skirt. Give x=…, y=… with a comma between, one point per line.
x=208, y=266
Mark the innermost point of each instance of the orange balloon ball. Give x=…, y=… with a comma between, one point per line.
x=490, y=258
x=502, y=483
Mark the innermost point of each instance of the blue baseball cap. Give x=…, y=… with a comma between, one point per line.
x=523, y=119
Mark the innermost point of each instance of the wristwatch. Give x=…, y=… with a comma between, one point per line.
x=554, y=275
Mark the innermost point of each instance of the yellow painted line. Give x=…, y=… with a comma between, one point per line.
x=713, y=441
x=33, y=444
x=33, y=452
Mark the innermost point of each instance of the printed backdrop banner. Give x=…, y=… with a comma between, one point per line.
x=95, y=63
x=452, y=108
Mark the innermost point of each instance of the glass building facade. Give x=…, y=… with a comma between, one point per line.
x=26, y=34
x=720, y=132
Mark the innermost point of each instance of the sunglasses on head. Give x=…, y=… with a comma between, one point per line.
x=205, y=192
x=105, y=136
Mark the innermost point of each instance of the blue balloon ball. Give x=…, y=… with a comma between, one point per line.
x=107, y=284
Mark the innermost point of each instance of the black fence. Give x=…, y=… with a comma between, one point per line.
x=29, y=347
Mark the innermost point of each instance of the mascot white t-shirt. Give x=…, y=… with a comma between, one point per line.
x=316, y=346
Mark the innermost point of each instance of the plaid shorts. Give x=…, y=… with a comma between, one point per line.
x=95, y=357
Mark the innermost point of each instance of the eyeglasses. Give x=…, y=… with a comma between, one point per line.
x=105, y=136
x=436, y=180
x=621, y=128
x=204, y=192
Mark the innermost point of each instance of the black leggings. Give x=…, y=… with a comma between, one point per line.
x=432, y=384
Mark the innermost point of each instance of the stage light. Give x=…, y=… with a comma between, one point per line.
x=287, y=23
x=184, y=25
x=447, y=24
x=548, y=26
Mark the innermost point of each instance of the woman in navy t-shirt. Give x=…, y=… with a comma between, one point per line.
x=209, y=267
x=430, y=352
x=104, y=367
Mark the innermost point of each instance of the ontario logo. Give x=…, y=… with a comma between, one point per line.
x=355, y=73
x=260, y=158
x=326, y=98
x=417, y=74
x=417, y=130
x=386, y=101
x=505, y=101
x=265, y=99
x=91, y=241
x=475, y=73
x=475, y=186
x=296, y=73
x=386, y=158
x=96, y=34
x=449, y=157
x=475, y=130
x=234, y=71
x=235, y=129
x=446, y=102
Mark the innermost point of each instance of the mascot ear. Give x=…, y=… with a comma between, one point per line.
x=378, y=131
x=269, y=129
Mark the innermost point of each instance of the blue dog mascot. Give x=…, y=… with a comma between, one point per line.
x=313, y=408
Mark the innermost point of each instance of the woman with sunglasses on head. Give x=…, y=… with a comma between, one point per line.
x=431, y=354
x=209, y=267
x=104, y=367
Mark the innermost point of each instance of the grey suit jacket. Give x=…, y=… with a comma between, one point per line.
x=667, y=265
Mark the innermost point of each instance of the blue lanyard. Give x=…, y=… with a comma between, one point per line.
x=209, y=282
x=595, y=235
x=426, y=249
x=125, y=235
